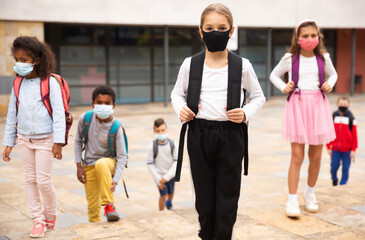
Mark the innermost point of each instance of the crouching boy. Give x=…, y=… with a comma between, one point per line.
x=101, y=167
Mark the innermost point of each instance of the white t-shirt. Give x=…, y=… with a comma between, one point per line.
x=213, y=95
x=164, y=166
x=308, y=72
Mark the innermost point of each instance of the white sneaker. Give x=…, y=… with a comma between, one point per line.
x=311, y=204
x=292, y=208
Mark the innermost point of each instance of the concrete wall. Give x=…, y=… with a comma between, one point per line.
x=9, y=30
x=247, y=13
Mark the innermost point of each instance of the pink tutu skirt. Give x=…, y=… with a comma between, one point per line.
x=308, y=119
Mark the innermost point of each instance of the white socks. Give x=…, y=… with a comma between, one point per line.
x=309, y=189
x=292, y=197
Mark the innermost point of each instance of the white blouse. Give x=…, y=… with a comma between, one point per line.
x=308, y=72
x=213, y=95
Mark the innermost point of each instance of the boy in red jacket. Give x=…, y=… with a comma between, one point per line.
x=344, y=146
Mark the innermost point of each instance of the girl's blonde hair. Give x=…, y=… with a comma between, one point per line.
x=218, y=8
x=295, y=47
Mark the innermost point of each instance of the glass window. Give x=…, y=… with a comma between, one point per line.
x=82, y=66
x=181, y=45
x=330, y=43
x=82, y=35
x=281, y=41
x=130, y=63
x=81, y=55
x=253, y=46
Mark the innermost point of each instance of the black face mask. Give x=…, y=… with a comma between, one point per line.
x=215, y=40
x=343, y=109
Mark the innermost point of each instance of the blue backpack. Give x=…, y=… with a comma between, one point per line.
x=111, y=139
x=111, y=135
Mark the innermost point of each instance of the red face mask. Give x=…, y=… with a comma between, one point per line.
x=308, y=44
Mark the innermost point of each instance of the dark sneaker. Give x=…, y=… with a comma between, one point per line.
x=110, y=213
x=168, y=205
x=334, y=183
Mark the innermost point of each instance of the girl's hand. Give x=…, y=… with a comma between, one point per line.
x=326, y=87
x=289, y=87
x=186, y=114
x=236, y=115
x=6, y=154
x=57, y=150
x=81, y=176
x=114, y=184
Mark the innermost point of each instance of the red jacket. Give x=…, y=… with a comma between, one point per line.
x=346, y=139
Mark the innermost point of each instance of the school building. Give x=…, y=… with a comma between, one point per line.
x=138, y=46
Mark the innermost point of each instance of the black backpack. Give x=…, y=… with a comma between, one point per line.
x=155, y=148
x=193, y=97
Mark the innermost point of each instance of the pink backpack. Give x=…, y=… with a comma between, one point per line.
x=45, y=97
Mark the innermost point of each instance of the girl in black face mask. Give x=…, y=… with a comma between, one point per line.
x=208, y=96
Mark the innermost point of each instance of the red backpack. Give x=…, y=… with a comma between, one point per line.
x=46, y=100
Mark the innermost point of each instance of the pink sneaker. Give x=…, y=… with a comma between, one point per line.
x=38, y=230
x=50, y=223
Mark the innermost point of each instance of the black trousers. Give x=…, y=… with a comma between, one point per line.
x=216, y=151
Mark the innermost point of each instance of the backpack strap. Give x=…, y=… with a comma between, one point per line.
x=125, y=142
x=295, y=69
x=192, y=100
x=195, y=81
x=294, y=73
x=172, y=147
x=320, y=64
x=351, y=119
x=321, y=73
x=112, y=137
x=234, y=97
x=234, y=81
x=87, y=121
x=155, y=149
x=44, y=85
x=16, y=86
x=85, y=130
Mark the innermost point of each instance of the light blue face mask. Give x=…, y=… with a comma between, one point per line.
x=161, y=137
x=23, y=69
x=103, y=111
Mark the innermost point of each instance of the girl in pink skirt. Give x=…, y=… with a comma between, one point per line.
x=308, y=118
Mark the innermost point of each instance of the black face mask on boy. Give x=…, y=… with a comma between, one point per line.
x=216, y=40
x=342, y=109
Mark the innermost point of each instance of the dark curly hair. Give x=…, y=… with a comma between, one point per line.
x=38, y=51
x=104, y=90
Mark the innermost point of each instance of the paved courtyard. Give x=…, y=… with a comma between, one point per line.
x=261, y=213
